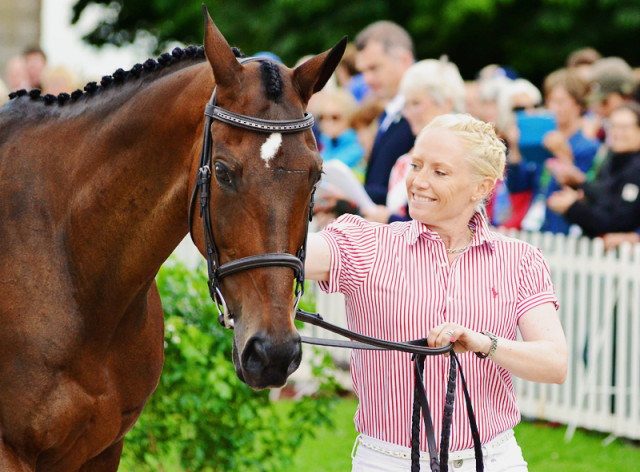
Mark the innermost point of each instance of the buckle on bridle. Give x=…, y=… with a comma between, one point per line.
x=224, y=317
x=203, y=182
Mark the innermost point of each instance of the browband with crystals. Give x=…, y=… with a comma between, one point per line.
x=258, y=124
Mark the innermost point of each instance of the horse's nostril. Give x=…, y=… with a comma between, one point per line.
x=295, y=359
x=255, y=355
x=269, y=363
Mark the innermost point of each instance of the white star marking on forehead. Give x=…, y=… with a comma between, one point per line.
x=270, y=147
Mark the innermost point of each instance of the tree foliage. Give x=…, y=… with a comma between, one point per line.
x=533, y=36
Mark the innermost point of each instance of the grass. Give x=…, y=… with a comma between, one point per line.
x=543, y=446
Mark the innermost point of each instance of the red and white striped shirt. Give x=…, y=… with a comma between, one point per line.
x=398, y=285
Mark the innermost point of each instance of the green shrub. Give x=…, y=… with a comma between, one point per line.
x=202, y=418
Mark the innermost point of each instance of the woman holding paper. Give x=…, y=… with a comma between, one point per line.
x=444, y=276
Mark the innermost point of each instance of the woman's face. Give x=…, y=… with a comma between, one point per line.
x=441, y=185
x=564, y=107
x=333, y=119
x=624, y=131
x=419, y=109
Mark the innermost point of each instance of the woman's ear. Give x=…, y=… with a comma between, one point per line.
x=483, y=188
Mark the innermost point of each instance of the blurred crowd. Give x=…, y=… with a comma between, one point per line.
x=573, y=144
x=29, y=70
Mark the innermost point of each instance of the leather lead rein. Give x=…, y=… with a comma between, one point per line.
x=420, y=350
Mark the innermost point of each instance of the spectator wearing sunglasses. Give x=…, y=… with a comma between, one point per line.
x=337, y=139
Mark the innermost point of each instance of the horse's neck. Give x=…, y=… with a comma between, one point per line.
x=130, y=211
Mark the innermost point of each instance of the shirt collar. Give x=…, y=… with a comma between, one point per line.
x=477, y=223
x=392, y=111
x=395, y=105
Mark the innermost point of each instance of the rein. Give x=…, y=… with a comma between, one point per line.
x=217, y=271
x=420, y=350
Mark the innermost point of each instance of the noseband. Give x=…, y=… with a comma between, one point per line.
x=217, y=271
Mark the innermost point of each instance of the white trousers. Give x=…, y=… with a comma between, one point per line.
x=501, y=454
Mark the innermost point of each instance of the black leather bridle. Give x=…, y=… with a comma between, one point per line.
x=217, y=271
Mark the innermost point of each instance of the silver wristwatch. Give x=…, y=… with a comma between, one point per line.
x=494, y=345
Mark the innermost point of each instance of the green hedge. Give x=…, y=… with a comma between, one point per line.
x=201, y=417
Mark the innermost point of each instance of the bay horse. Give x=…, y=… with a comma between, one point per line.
x=95, y=190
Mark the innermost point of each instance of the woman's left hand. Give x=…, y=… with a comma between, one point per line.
x=541, y=355
x=464, y=339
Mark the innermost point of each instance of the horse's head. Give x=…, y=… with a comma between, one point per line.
x=260, y=192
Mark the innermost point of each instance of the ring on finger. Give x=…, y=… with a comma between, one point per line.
x=449, y=332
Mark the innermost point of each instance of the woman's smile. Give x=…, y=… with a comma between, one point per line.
x=422, y=198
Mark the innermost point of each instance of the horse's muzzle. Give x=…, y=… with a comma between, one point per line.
x=266, y=362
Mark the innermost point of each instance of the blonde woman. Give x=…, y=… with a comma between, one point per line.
x=447, y=277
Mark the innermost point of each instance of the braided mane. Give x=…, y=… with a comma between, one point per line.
x=120, y=76
x=272, y=80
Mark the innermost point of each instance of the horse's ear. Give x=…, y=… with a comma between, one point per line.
x=312, y=75
x=226, y=68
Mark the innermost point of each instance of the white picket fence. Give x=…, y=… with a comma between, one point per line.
x=599, y=297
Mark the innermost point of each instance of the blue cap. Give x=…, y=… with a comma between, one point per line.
x=268, y=55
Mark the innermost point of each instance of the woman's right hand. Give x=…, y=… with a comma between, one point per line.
x=464, y=339
x=558, y=145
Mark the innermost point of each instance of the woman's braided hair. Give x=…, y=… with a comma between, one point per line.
x=487, y=152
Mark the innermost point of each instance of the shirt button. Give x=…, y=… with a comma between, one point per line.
x=458, y=463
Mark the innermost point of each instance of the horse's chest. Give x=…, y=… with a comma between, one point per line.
x=73, y=419
x=70, y=410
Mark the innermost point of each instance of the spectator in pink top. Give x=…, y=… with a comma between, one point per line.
x=446, y=277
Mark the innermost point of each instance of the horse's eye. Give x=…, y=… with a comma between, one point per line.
x=223, y=175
